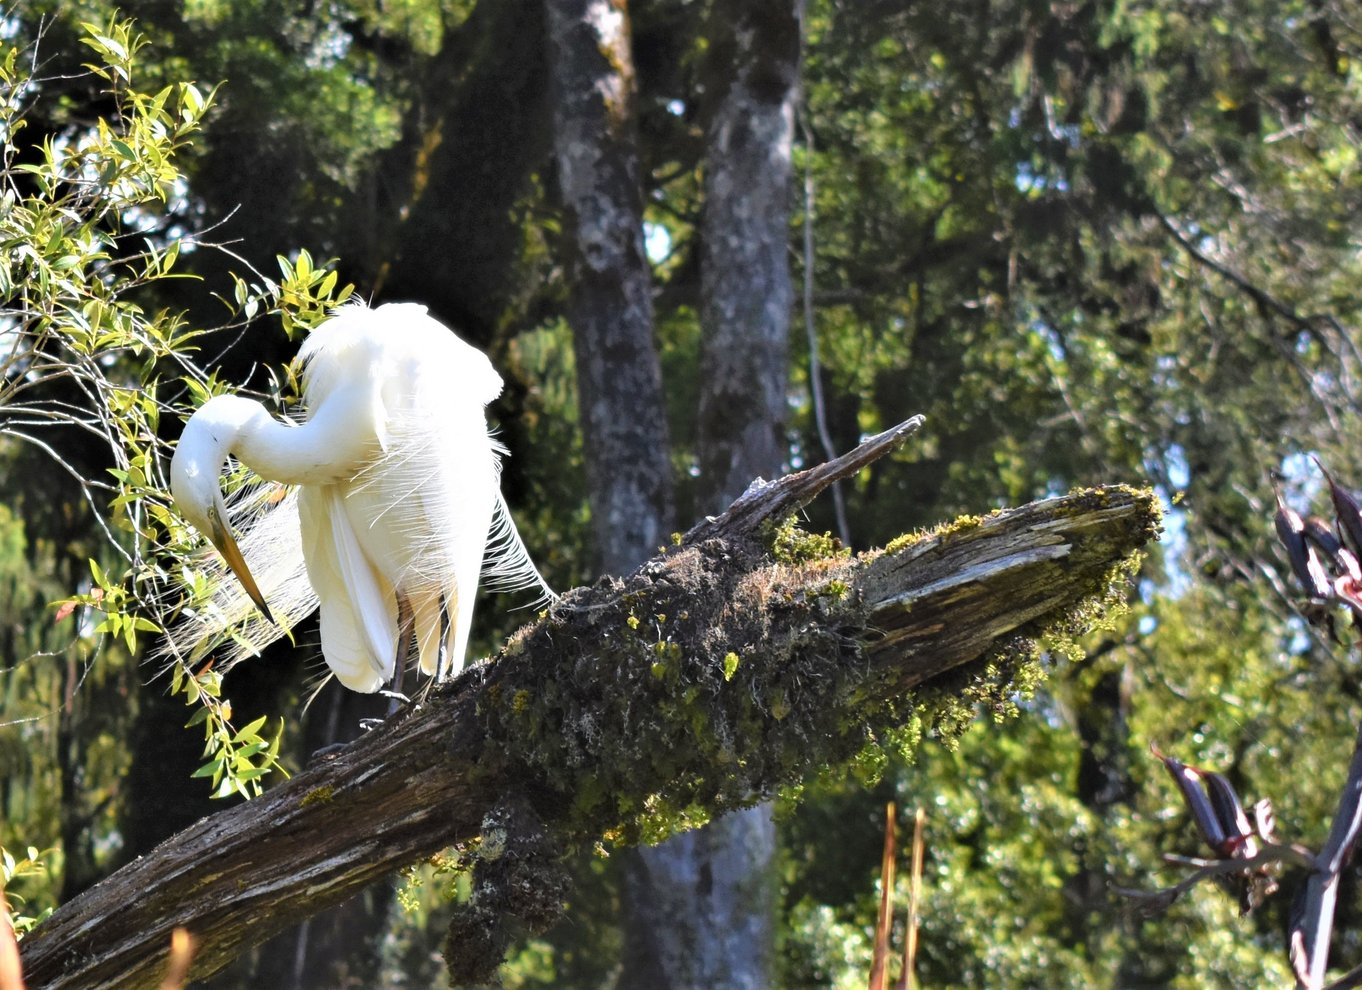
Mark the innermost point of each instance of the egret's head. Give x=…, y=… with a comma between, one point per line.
x=195, y=471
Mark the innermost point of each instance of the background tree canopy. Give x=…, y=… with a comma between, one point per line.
x=1092, y=242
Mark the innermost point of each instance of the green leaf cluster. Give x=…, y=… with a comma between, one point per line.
x=91, y=367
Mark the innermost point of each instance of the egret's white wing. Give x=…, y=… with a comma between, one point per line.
x=358, y=606
x=423, y=507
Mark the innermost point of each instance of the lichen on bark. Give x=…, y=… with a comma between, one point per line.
x=649, y=727
x=650, y=719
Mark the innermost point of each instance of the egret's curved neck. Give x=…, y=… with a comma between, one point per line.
x=330, y=447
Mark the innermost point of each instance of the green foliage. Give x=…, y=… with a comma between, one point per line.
x=87, y=354
x=1081, y=242
x=1103, y=242
x=236, y=759
x=32, y=864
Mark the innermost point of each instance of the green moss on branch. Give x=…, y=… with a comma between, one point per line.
x=648, y=726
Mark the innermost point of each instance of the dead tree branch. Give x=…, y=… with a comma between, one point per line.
x=703, y=682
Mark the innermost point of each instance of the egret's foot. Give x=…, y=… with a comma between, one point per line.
x=369, y=724
x=396, y=699
x=326, y=753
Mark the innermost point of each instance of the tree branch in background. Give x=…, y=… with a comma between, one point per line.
x=1310, y=323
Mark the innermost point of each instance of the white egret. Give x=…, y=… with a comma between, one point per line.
x=398, y=499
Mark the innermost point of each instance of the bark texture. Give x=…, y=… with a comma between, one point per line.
x=459, y=242
x=338, y=947
x=746, y=294
x=738, y=674
x=619, y=376
x=700, y=908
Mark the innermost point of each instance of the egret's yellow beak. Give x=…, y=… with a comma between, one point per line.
x=222, y=539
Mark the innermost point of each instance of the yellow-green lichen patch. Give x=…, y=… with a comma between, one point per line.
x=957, y=525
x=1011, y=672
x=438, y=879
x=789, y=544
x=319, y=795
x=652, y=720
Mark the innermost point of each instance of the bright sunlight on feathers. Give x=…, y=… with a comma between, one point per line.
x=383, y=507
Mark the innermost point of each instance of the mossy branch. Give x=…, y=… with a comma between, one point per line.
x=709, y=678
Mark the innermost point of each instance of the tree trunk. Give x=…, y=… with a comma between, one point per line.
x=619, y=376
x=746, y=295
x=700, y=907
x=589, y=720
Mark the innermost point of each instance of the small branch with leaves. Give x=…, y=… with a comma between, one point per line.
x=79, y=354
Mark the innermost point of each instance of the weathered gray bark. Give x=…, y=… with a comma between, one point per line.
x=586, y=723
x=619, y=377
x=700, y=908
x=752, y=82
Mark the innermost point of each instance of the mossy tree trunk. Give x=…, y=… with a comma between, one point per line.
x=701, y=683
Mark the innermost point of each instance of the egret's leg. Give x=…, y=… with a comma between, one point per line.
x=405, y=632
x=445, y=620
x=328, y=752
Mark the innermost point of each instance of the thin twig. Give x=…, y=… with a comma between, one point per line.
x=1269, y=852
x=777, y=499
x=879, y=965
x=1348, y=981
x=820, y=406
x=908, y=976
x=1208, y=869
x=85, y=485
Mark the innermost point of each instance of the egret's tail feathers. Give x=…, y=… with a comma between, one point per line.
x=506, y=563
x=220, y=618
x=428, y=622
